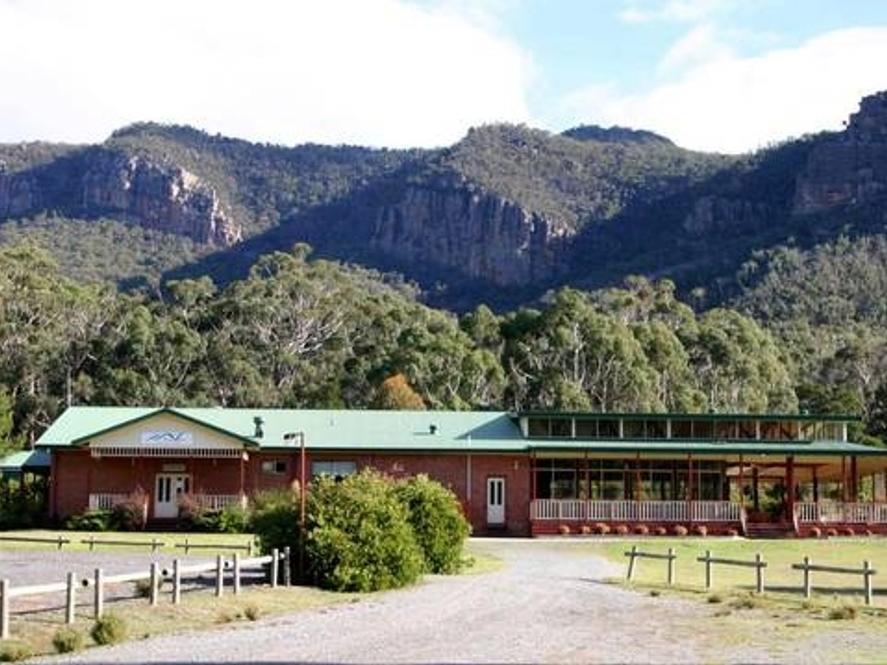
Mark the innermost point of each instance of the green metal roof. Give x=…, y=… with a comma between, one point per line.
x=323, y=429
x=455, y=431
x=25, y=460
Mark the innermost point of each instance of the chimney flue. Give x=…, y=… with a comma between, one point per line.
x=258, y=423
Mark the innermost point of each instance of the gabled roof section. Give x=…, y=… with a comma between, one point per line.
x=25, y=460
x=332, y=429
x=77, y=425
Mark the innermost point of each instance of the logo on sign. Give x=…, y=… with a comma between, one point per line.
x=167, y=438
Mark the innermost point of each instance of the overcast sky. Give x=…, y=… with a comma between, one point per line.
x=728, y=75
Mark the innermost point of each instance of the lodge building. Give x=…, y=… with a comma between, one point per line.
x=529, y=473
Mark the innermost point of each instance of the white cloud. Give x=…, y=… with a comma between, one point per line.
x=679, y=11
x=377, y=72
x=737, y=104
x=701, y=44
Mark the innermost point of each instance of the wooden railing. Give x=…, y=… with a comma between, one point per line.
x=826, y=512
x=105, y=501
x=635, y=511
x=219, y=501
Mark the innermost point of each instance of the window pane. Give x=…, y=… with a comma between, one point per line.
x=633, y=429
x=655, y=429
x=608, y=429
x=702, y=429
x=770, y=430
x=680, y=429
x=725, y=429
x=561, y=428
x=586, y=429
x=538, y=426
x=747, y=429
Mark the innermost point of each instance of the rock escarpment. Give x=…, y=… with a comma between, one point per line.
x=851, y=167
x=478, y=233
x=153, y=193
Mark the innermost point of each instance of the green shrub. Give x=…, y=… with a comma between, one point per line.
x=67, y=640
x=275, y=519
x=438, y=524
x=12, y=652
x=359, y=536
x=91, y=520
x=108, y=629
x=233, y=518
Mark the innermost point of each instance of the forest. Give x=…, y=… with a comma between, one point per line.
x=306, y=332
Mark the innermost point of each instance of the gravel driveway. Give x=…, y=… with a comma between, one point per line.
x=547, y=605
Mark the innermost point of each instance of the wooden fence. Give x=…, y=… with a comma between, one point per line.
x=807, y=566
x=154, y=544
x=154, y=575
x=635, y=553
x=758, y=564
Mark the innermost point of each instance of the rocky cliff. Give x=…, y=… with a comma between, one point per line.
x=93, y=183
x=850, y=167
x=473, y=231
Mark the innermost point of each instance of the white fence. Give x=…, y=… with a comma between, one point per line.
x=105, y=501
x=277, y=562
x=826, y=512
x=635, y=511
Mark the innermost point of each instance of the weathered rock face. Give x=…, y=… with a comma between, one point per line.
x=158, y=196
x=163, y=197
x=717, y=213
x=852, y=167
x=477, y=233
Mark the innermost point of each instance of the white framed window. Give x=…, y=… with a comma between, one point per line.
x=274, y=467
x=337, y=469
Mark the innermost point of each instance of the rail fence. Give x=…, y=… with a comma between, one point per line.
x=277, y=563
x=154, y=543
x=758, y=563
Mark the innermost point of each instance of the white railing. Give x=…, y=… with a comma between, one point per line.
x=635, y=511
x=219, y=501
x=106, y=501
x=837, y=512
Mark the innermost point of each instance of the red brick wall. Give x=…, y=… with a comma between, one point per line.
x=77, y=474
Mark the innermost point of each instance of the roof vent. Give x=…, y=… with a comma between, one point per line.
x=259, y=422
x=432, y=429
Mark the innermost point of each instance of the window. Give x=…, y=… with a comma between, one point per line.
x=586, y=429
x=656, y=429
x=275, y=467
x=608, y=429
x=537, y=426
x=725, y=429
x=748, y=429
x=335, y=469
x=561, y=428
x=681, y=429
x=770, y=430
x=702, y=429
x=634, y=429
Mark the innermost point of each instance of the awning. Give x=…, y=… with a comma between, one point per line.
x=25, y=461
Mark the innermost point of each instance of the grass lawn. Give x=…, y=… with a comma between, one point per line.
x=168, y=539
x=198, y=610
x=782, y=583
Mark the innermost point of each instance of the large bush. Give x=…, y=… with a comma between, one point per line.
x=275, y=519
x=359, y=535
x=438, y=524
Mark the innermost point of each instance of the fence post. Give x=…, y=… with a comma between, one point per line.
x=98, y=604
x=249, y=548
x=236, y=573
x=671, y=557
x=187, y=546
x=92, y=543
x=807, y=582
x=71, y=598
x=867, y=580
x=287, y=567
x=61, y=542
x=275, y=566
x=220, y=576
x=155, y=583
x=4, y=609
x=154, y=545
x=631, y=559
x=759, y=572
x=176, y=583
x=708, y=569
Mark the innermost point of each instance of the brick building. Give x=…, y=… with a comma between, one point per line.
x=514, y=473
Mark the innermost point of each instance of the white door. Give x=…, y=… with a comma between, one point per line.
x=168, y=489
x=495, y=501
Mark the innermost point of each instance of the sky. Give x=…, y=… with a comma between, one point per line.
x=716, y=75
